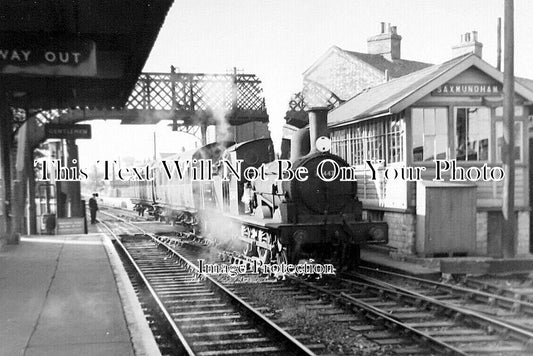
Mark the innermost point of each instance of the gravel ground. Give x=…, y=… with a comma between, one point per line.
x=336, y=336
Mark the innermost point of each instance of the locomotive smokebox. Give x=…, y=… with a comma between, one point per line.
x=318, y=125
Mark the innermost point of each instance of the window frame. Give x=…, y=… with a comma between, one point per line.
x=454, y=134
x=448, y=140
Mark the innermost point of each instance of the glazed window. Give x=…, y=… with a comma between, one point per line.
x=430, y=133
x=472, y=134
x=377, y=140
x=517, y=141
x=395, y=137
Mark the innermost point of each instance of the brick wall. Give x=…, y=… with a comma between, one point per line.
x=523, y=233
x=402, y=231
x=481, y=233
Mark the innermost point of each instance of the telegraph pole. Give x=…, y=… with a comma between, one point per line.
x=509, y=242
x=499, y=45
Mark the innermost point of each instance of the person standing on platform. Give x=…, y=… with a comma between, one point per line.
x=93, y=207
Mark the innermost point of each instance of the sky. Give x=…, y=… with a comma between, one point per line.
x=279, y=39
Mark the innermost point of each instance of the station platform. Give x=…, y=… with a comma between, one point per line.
x=434, y=268
x=377, y=258
x=69, y=295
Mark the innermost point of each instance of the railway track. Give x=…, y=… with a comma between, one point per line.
x=205, y=317
x=400, y=316
x=395, y=317
x=452, y=327
x=515, y=289
x=511, y=309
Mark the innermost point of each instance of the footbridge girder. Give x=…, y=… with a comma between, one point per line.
x=186, y=98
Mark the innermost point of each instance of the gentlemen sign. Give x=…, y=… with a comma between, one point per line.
x=47, y=56
x=467, y=90
x=69, y=132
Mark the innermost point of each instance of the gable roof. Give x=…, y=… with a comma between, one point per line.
x=525, y=82
x=395, y=67
x=396, y=95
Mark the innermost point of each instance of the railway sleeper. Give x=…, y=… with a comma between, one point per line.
x=243, y=352
x=454, y=332
x=235, y=343
x=496, y=349
x=212, y=306
x=414, y=315
x=185, y=288
x=393, y=341
x=223, y=333
x=184, y=293
x=469, y=338
x=412, y=350
x=204, y=312
x=193, y=301
x=225, y=325
x=200, y=319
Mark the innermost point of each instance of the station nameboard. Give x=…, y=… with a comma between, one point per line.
x=66, y=131
x=469, y=89
x=47, y=56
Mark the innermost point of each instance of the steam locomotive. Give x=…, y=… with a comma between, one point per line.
x=283, y=221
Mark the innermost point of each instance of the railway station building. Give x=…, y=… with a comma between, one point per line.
x=444, y=124
x=406, y=114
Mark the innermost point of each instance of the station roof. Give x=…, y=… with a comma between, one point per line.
x=396, y=95
x=121, y=32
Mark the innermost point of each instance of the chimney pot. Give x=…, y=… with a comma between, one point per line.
x=469, y=44
x=387, y=43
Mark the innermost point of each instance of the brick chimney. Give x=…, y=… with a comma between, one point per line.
x=387, y=43
x=469, y=44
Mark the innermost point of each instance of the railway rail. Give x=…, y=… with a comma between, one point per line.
x=206, y=317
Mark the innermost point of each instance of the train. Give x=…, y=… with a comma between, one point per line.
x=275, y=220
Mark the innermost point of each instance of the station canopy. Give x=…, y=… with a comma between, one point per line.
x=75, y=53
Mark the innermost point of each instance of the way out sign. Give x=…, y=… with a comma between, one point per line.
x=47, y=56
x=68, y=132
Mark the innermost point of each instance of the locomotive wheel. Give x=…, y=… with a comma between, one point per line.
x=264, y=255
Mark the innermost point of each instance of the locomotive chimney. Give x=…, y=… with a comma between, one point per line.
x=304, y=140
x=300, y=143
x=318, y=125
